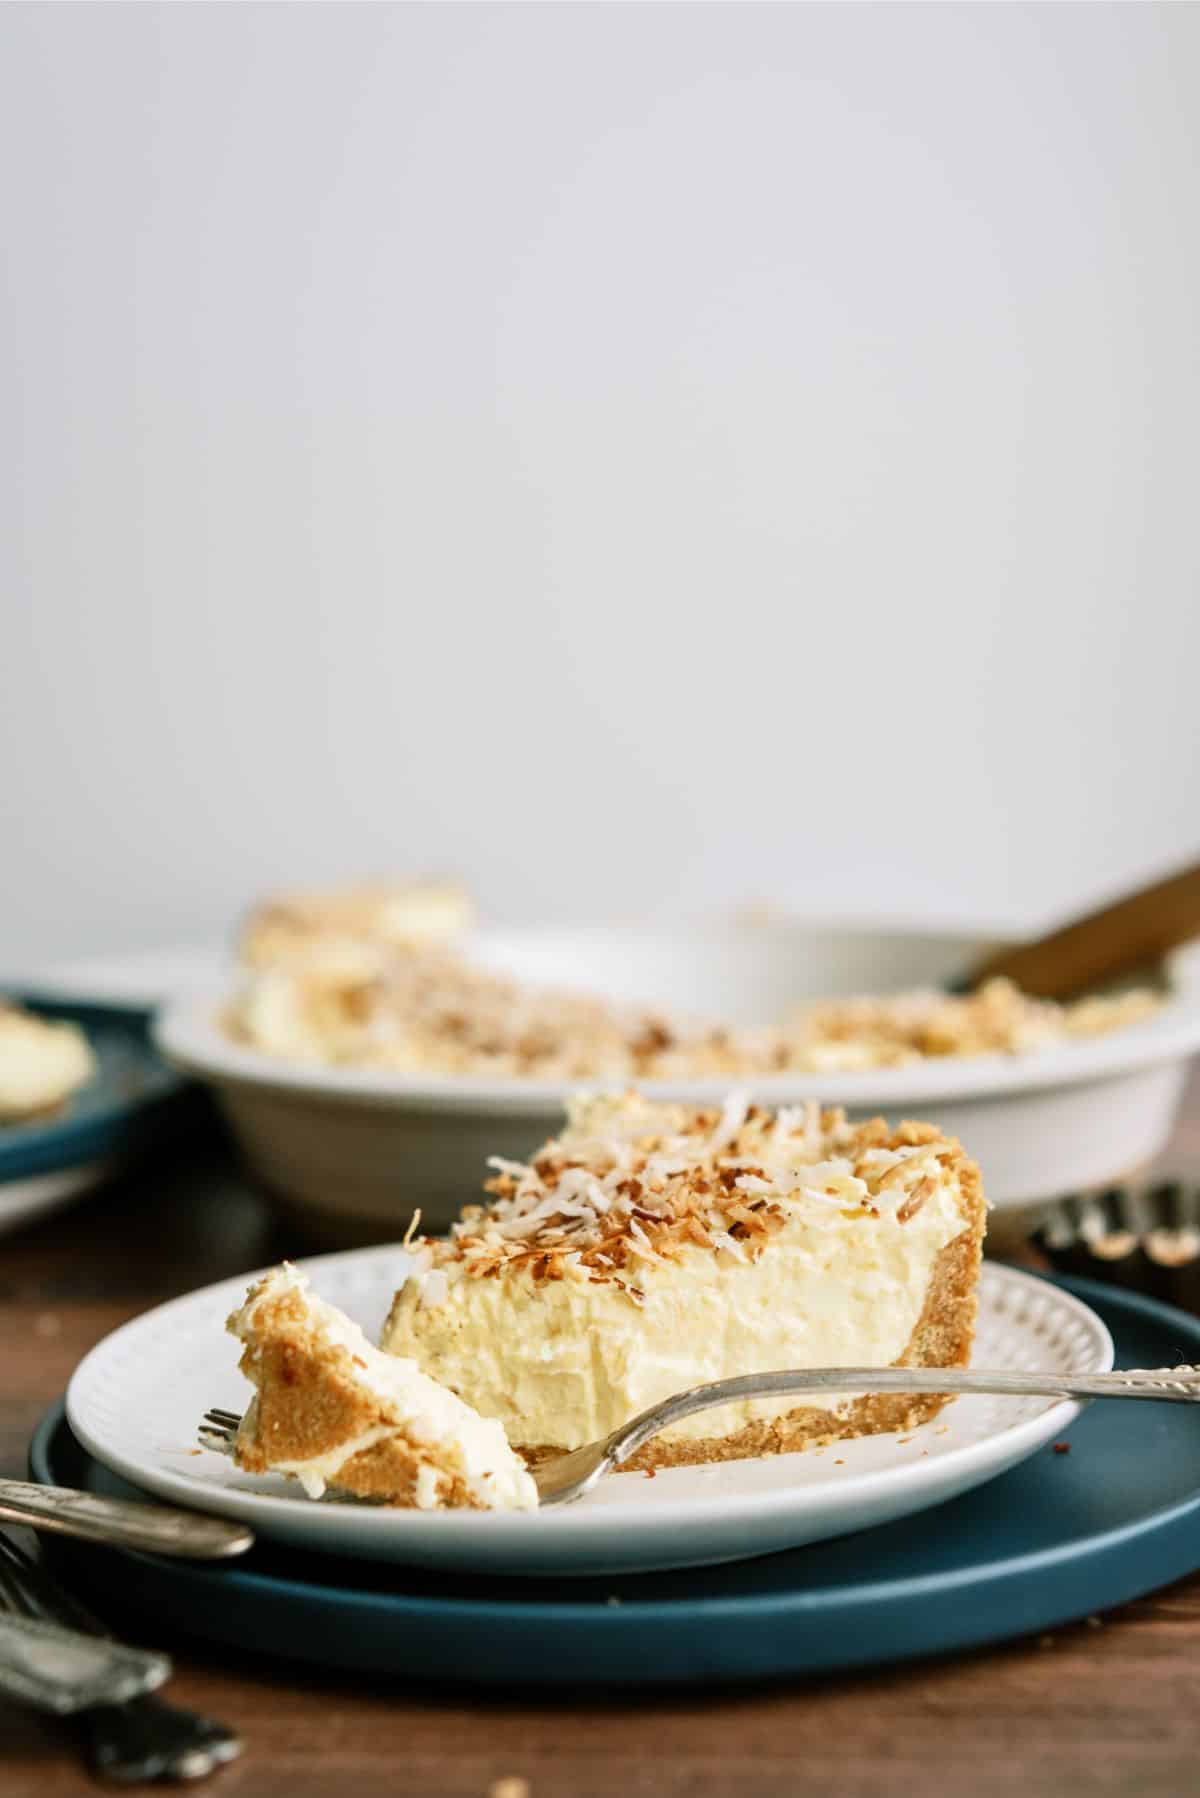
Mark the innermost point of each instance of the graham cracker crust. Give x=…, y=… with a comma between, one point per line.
x=309, y=1403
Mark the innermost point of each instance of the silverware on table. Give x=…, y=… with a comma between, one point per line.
x=120, y=1522
x=569, y=1476
x=61, y=1670
x=1143, y=1236
x=128, y=1739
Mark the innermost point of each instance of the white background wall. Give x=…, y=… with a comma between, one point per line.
x=638, y=457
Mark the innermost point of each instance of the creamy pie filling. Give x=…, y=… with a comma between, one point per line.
x=644, y=1252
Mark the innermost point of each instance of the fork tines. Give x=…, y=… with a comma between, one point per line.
x=218, y=1429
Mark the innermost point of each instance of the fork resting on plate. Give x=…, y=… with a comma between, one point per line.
x=569, y=1476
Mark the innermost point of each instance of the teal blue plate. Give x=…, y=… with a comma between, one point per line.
x=124, y=1106
x=1057, y=1538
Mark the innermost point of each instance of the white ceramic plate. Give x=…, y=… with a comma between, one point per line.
x=362, y=1149
x=21, y=1201
x=136, y=1399
x=136, y=981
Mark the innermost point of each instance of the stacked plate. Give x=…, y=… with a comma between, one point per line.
x=983, y=1524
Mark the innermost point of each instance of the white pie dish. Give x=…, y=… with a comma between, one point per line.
x=358, y=1150
x=136, y=1399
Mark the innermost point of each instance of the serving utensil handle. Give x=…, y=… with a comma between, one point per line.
x=1126, y=937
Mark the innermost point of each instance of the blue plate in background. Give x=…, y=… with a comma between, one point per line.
x=132, y=1100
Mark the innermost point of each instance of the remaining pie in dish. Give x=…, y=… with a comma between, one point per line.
x=332, y=1411
x=42, y=1062
x=652, y=1247
x=354, y=927
x=346, y=994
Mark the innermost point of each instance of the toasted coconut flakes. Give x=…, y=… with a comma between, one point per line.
x=924, y=1190
x=721, y=1239
x=895, y=1175
x=517, y=1169
x=630, y=1183
x=733, y=1116
x=435, y=1289
x=748, y=1219
x=639, y=1242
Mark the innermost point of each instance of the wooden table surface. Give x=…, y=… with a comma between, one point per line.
x=1105, y=1707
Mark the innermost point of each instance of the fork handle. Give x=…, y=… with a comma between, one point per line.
x=1175, y=1385
x=62, y=1670
x=146, y=1740
x=140, y=1739
x=119, y=1522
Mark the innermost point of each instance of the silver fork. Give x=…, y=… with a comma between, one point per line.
x=142, y=1739
x=569, y=1476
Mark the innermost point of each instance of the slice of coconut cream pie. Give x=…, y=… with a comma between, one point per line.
x=652, y=1247
x=332, y=1411
x=354, y=927
x=42, y=1063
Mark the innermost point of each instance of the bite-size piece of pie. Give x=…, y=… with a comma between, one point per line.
x=332, y=1411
